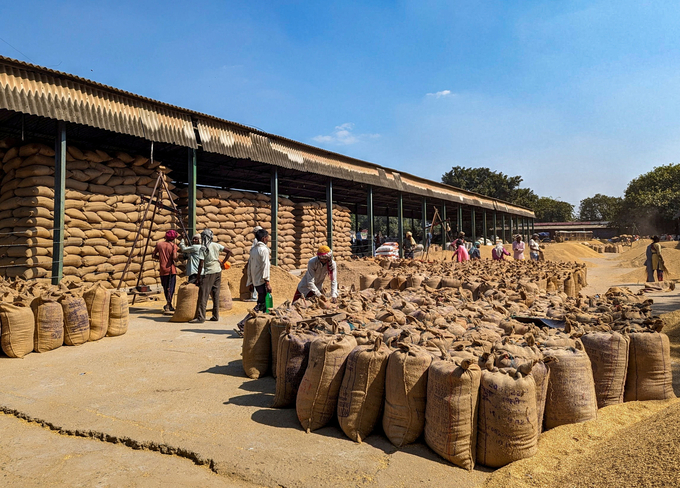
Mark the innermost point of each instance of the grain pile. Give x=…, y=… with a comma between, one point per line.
x=455, y=326
x=283, y=283
x=311, y=231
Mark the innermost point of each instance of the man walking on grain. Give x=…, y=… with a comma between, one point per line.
x=209, y=284
x=166, y=253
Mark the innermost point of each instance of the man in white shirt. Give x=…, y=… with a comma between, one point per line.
x=259, y=267
x=534, y=247
x=209, y=283
x=318, y=269
x=192, y=253
x=253, y=296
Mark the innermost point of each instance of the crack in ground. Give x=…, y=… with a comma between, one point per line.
x=161, y=448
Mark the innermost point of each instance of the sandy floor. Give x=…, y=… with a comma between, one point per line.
x=168, y=404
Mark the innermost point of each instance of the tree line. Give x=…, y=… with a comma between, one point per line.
x=650, y=203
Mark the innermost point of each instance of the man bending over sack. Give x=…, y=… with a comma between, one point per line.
x=317, y=269
x=209, y=284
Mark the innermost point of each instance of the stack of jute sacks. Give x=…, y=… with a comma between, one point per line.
x=231, y=215
x=454, y=366
x=311, y=231
x=103, y=205
x=38, y=317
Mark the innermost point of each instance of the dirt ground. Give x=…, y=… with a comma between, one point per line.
x=168, y=403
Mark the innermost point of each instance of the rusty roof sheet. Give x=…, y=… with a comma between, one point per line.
x=40, y=91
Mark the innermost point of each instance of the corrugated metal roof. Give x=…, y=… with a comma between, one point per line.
x=40, y=91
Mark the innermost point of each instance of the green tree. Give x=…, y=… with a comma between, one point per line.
x=550, y=210
x=600, y=207
x=490, y=183
x=652, y=200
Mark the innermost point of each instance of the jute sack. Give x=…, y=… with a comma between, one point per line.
x=225, y=295
x=98, y=302
x=76, y=320
x=49, y=323
x=405, y=393
x=451, y=410
x=187, y=301
x=414, y=281
x=608, y=355
x=649, y=368
x=278, y=325
x=257, y=345
x=366, y=281
x=119, y=314
x=360, y=401
x=571, y=389
x=18, y=329
x=317, y=396
x=508, y=423
x=291, y=364
x=541, y=375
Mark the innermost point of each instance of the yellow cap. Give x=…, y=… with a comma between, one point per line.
x=323, y=250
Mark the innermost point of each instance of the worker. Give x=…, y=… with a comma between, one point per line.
x=259, y=268
x=518, y=248
x=475, y=252
x=192, y=254
x=409, y=245
x=654, y=261
x=461, y=252
x=253, y=291
x=499, y=251
x=534, y=247
x=209, y=282
x=318, y=268
x=166, y=253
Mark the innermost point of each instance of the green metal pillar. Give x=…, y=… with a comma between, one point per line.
x=510, y=227
x=369, y=211
x=504, y=237
x=191, y=190
x=275, y=215
x=400, y=224
x=459, y=221
x=473, y=225
x=495, y=228
x=387, y=216
x=329, y=214
x=484, y=229
x=424, y=222
x=59, y=196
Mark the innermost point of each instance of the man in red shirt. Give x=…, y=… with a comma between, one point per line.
x=166, y=253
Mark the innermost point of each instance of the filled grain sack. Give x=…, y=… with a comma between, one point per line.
x=49, y=323
x=649, y=367
x=187, y=301
x=541, y=375
x=571, y=389
x=508, y=422
x=257, y=345
x=225, y=297
x=317, y=396
x=451, y=410
x=360, y=401
x=366, y=281
x=98, y=302
x=18, y=329
x=119, y=315
x=292, y=358
x=405, y=393
x=279, y=324
x=76, y=320
x=608, y=354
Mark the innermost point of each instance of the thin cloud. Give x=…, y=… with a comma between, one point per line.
x=440, y=94
x=343, y=135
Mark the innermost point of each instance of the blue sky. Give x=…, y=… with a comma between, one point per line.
x=576, y=97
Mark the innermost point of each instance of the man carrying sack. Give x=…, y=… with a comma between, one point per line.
x=209, y=284
x=317, y=269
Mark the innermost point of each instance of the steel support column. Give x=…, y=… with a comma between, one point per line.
x=400, y=224
x=484, y=230
x=503, y=224
x=459, y=221
x=369, y=211
x=473, y=225
x=275, y=215
x=191, y=193
x=59, y=195
x=444, y=224
x=424, y=222
x=329, y=214
x=495, y=228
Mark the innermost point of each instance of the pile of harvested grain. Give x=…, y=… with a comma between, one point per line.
x=311, y=231
x=283, y=283
x=528, y=376
x=349, y=272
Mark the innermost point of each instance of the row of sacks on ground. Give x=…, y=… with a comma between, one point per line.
x=38, y=317
x=478, y=385
x=478, y=276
